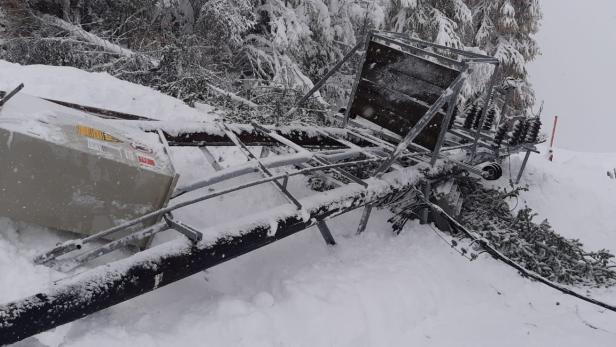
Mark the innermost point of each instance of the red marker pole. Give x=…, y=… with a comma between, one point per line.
x=551, y=156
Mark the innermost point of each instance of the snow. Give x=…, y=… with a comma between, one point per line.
x=375, y=289
x=574, y=193
x=370, y=290
x=97, y=90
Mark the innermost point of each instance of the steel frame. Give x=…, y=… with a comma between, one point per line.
x=413, y=46
x=102, y=287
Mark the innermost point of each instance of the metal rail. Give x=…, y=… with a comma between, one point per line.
x=73, y=245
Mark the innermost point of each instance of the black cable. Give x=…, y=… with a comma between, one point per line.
x=439, y=234
x=498, y=255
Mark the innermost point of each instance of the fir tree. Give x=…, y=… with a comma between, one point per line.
x=443, y=22
x=504, y=29
x=284, y=44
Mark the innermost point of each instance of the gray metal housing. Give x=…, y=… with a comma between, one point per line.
x=64, y=169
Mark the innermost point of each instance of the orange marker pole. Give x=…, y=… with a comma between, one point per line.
x=551, y=156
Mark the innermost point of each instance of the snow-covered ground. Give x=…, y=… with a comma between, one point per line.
x=575, y=194
x=376, y=289
x=97, y=90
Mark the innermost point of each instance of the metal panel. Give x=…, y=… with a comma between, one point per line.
x=395, y=114
x=397, y=88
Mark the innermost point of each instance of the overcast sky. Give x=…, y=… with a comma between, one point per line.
x=576, y=73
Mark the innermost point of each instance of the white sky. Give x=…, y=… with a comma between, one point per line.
x=576, y=73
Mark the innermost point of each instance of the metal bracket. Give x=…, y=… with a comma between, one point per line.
x=191, y=233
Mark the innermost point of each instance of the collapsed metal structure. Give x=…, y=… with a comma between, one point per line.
x=399, y=124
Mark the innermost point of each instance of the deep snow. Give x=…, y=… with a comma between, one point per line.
x=370, y=290
x=97, y=90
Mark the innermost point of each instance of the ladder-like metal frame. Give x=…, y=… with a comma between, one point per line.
x=251, y=156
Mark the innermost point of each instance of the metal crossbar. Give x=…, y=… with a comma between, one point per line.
x=262, y=168
x=320, y=159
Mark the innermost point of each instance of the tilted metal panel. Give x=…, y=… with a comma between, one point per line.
x=395, y=89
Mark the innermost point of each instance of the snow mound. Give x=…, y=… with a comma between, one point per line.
x=98, y=90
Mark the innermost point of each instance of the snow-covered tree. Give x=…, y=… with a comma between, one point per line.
x=443, y=22
x=286, y=44
x=504, y=29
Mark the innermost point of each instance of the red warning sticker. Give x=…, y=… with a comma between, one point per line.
x=146, y=161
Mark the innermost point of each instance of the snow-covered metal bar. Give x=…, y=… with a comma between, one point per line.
x=111, y=284
x=204, y=134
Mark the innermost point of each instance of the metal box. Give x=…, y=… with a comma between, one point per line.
x=67, y=170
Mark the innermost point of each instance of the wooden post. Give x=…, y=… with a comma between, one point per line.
x=551, y=155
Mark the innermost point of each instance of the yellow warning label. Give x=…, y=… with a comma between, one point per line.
x=96, y=134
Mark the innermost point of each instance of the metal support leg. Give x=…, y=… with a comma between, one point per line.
x=363, y=222
x=517, y=180
x=445, y=124
x=347, y=113
x=326, y=233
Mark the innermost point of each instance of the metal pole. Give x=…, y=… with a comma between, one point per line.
x=321, y=82
x=426, y=43
x=11, y=94
x=415, y=50
x=551, y=157
x=445, y=124
x=357, y=78
x=517, y=180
